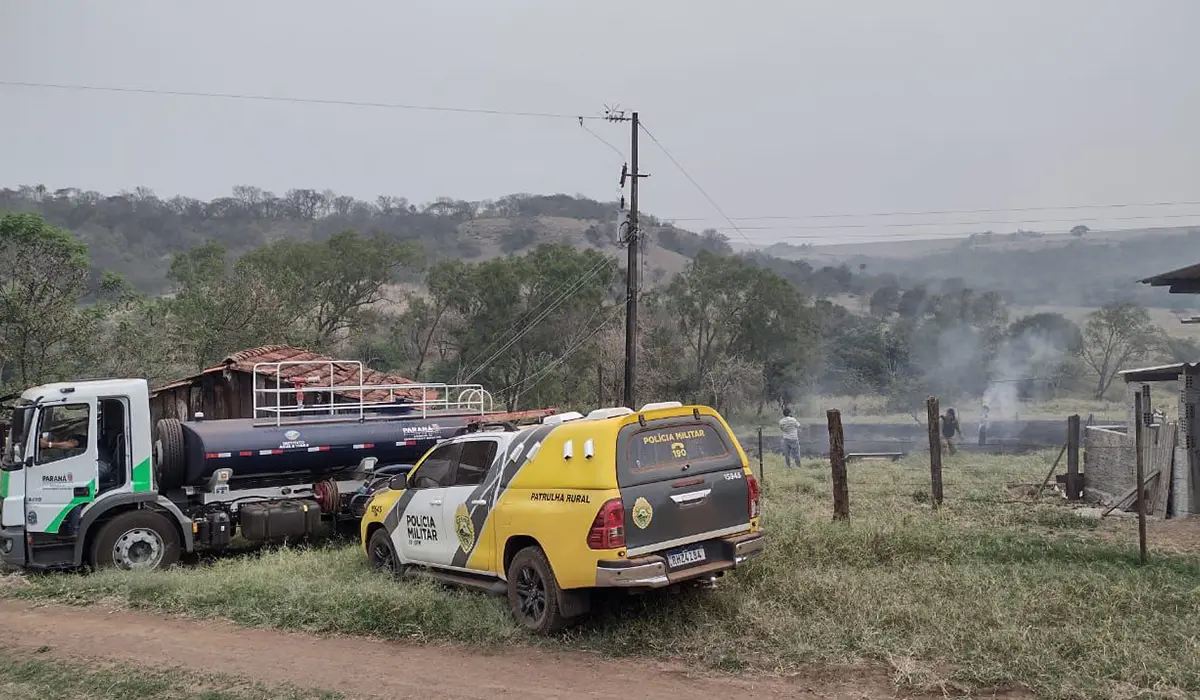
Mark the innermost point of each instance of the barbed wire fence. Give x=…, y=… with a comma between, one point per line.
x=934, y=471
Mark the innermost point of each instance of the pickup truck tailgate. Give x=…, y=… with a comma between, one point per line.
x=682, y=481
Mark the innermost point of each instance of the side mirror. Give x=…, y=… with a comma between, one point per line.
x=367, y=465
x=398, y=482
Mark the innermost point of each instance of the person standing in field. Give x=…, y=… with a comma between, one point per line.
x=789, y=427
x=983, y=426
x=950, y=429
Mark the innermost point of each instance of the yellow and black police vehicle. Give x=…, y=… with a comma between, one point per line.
x=545, y=514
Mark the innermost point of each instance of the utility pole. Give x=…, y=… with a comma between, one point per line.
x=632, y=274
x=632, y=266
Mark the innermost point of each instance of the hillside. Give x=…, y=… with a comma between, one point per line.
x=136, y=233
x=1030, y=268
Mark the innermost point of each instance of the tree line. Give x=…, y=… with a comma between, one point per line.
x=545, y=326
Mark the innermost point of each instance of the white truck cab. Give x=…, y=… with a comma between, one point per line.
x=76, y=455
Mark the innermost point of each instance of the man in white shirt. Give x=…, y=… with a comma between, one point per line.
x=790, y=428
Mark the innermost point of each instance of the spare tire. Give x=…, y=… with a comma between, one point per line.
x=170, y=456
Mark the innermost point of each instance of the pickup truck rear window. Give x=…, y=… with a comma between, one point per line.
x=673, y=445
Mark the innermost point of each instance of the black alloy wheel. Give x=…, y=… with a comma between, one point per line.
x=531, y=594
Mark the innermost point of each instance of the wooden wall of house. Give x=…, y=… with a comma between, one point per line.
x=218, y=395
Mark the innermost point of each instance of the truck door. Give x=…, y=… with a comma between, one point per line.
x=12, y=467
x=63, y=475
x=424, y=536
x=468, y=502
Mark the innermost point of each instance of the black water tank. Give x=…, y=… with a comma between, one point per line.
x=311, y=449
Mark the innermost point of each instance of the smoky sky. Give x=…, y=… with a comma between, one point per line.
x=776, y=107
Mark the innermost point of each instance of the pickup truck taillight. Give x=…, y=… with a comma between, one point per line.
x=752, y=504
x=608, y=528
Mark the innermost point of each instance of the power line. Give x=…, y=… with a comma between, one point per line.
x=577, y=285
x=532, y=381
x=294, y=100
x=695, y=184
x=936, y=212
x=601, y=139
x=550, y=302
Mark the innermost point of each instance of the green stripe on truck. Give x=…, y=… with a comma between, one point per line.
x=55, y=524
x=142, y=477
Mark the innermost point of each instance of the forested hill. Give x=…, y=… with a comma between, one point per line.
x=1084, y=268
x=136, y=233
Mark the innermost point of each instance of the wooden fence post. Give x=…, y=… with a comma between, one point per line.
x=837, y=462
x=1074, y=482
x=935, y=449
x=761, y=479
x=1139, y=428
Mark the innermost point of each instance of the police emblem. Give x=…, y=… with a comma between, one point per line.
x=464, y=528
x=642, y=513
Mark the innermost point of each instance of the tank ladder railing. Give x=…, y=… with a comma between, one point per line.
x=269, y=394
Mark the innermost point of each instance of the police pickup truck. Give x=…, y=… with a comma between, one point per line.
x=545, y=514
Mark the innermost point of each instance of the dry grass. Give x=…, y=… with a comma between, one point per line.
x=983, y=593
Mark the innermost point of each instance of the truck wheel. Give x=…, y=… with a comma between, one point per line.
x=533, y=593
x=138, y=539
x=169, y=451
x=381, y=554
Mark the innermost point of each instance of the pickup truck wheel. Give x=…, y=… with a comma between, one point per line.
x=381, y=554
x=533, y=593
x=138, y=539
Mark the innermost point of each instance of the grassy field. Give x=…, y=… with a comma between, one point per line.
x=983, y=593
x=40, y=676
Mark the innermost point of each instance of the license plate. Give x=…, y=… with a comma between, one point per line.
x=684, y=557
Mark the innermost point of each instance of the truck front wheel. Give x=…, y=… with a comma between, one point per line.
x=381, y=555
x=138, y=539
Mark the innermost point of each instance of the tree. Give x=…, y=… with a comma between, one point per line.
x=423, y=319
x=328, y=288
x=220, y=305
x=1080, y=231
x=912, y=302
x=43, y=274
x=727, y=307
x=524, y=319
x=1114, y=336
x=1053, y=328
x=132, y=335
x=885, y=301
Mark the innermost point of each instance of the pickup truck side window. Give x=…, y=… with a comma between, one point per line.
x=436, y=470
x=473, y=464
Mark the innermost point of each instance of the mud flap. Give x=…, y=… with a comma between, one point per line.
x=574, y=603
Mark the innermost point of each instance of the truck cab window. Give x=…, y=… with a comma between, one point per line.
x=63, y=432
x=435, y=471
x=113, y=445
x=474, y=462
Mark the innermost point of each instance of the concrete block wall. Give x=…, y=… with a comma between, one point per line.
x=1108, y=466
x=1186, y=479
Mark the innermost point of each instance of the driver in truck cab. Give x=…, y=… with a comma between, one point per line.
x=546, y=514
x=65, y=446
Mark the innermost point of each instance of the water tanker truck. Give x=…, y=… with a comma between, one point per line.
x=86, y=480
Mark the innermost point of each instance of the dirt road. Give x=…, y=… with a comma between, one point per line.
x=365, y=668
